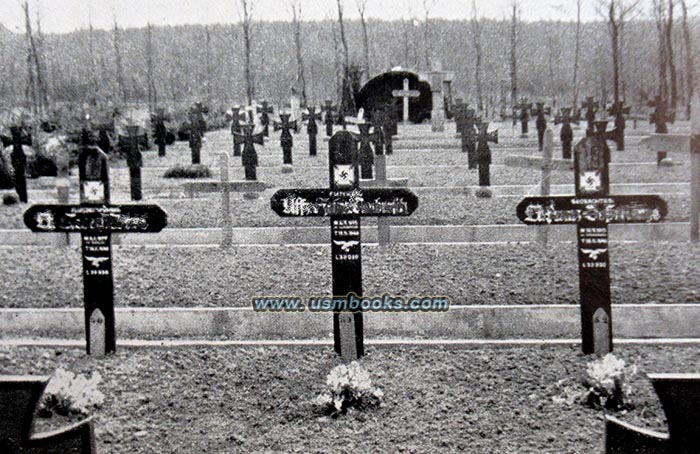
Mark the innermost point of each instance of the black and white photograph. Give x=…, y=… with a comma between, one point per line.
x=350, y=226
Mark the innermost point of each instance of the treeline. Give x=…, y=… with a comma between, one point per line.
x=182, y=64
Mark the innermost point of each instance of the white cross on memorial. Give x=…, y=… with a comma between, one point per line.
x=405, y=94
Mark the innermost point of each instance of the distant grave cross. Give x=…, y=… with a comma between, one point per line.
x=366, y=140
x=236, y=129
x=592, y=209
x=680, y=398
x=524, y=107
x=566, y=134
x=330, y=111
x=591, y=107
x=264, y=110
x=19, y=396
x=96, y=219
x=311, y=128
x=345, y=203
x=249, y=157
x=619, y=110
x=467, y=122
x=385, y=118
x=286, y=139
x=406, y=94
x=19, y=163
x=483, y=152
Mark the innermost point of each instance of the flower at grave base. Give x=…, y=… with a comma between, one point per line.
x=67, y=393
x=608, y=382
x=346, y=387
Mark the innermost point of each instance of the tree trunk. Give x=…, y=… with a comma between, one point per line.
x=476, y=36
x=690, y=85
x=120, y=69
x=577, y=51
x=301, y=80
x=614, y=25
x=669, y=55
x=513, y=59
x=149, y=69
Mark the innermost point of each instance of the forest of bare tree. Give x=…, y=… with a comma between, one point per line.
x=180, y=64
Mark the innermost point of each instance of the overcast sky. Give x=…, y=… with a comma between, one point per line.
x=68, y=15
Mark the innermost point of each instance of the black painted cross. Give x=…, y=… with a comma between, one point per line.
x=134, y=161
x=249, y=157
x=286, y=139
x=468, y=134
x=458, y=112
x=312, y=128
x=619, y=110
x=566, y=134
x=680, y=398
x=591, y=107
x=524, y=107
x=346, y=203
x=236, y=129
x=366, y=140
x=541, y=123
x=405, y=94
x=330, y=112
x=264, y=110
x=19, y=163
x=592, y=209
x=660, y=118
x=96, y=219
x=483, y=152
x=385, y=118
x=19, y=396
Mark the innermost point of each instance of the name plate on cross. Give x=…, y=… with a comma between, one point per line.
x=345, y=203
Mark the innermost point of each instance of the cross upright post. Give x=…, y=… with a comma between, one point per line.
x=366, y=140
x=330, y=111
x=19, y=163
x=265, y=111
x=566, y=134
x=345, y=203
x=236, y=129
x=484, y=152
x=591, y=107
x=134, y=161
x=311, y=128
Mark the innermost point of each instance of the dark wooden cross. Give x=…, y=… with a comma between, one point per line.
x=591, y=107
x=19, y=396
x=330, y=112
x=96, y=219
x=286, y=138
x=264, y=110
x=680, y=398
x=196, y=135
x=458, y=112
x=524, y=108
x=236, y=129
x=160, y=131
x=619, y=111
x=566, y=134
x=366, y=140
x=592, y=209
x=468, y=134
x=483, y=152
x=312, y=128
x=346, y=203
x=249, y=157
x=541, y=123
x=19, y=164
x=405, y=94
x=385, y=118
x=134, y=161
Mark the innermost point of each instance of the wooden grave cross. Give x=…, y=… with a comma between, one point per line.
x=618, y=110
x=236, y=129
x=249, y=157
x=405, y=94
x=591, y=107
x=366, y=140
x=96, y=219
x=468, y=134
x=264, y=110
x=286, y=138
x=134, y=160
x=566, y=134
x=591, y=210
x=345, y=202
x=541, y=122
x=312, y=128
x=385, y=118
x=19, y=163
x=330, y=111
x=685, y=142
x=483, y=152
x=525, y=108
x=680, y=398
x=19, y=396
